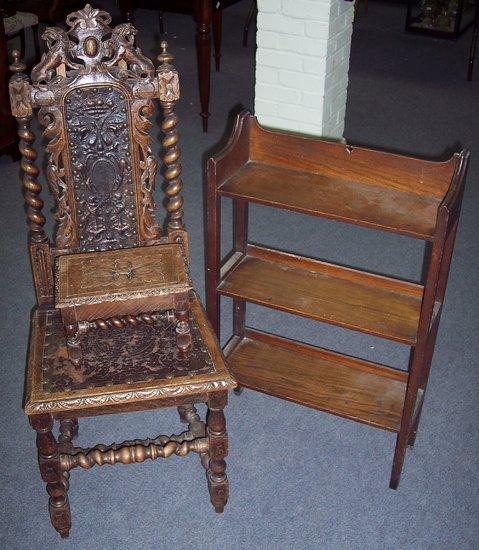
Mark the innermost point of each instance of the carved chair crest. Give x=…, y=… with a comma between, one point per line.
x=94, y=91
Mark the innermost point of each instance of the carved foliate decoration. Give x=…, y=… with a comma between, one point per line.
x=95, y=91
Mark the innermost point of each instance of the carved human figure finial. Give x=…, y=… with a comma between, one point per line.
x=168, y=81
x=19, y=89
x=17, y=66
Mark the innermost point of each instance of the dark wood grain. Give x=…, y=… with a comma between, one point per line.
x=350, y=162
x=434, y=292
x=341, y=296
x=335, y=197
x=102, y=172
x=318, y=378
x=8, y=135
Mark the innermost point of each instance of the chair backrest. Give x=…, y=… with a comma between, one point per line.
x=94, y=91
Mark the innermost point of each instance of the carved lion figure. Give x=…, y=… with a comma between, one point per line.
x=122, y=44
x=58, y=44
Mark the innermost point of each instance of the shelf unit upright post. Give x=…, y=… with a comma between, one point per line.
x=389, y=192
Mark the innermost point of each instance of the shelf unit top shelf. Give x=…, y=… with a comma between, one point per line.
x=377, y=305
x=333, y=197
x=352, y=388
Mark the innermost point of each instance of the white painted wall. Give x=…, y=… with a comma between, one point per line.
x=302, y=64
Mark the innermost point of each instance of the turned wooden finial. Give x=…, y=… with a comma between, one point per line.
x=18, y=66
x=22, y=109
x=165, y=57
x=169, y=94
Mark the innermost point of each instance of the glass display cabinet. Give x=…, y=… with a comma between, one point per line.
x=440, y=18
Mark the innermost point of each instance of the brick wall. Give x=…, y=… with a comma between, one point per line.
x=302, y=64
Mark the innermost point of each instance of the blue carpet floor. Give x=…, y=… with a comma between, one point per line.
x=299, y=478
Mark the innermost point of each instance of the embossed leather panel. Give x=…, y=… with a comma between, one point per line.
x=119, y=356
x=100, y=154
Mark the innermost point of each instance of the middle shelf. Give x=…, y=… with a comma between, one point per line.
x=369, y=303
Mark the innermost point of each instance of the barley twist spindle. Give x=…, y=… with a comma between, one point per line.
x=169, y=93
x=22, y=110
x=130, y=452
x=133, y=320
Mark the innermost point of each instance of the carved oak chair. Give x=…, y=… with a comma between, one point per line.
x=111, y=274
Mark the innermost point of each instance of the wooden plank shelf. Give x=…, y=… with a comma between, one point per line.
x=377, y=305
x=335, y=198
x=352, y=388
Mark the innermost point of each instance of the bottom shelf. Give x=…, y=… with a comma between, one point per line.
x=318, y=378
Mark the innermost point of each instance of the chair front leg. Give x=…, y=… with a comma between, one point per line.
x=52, y=475
x=218, y=449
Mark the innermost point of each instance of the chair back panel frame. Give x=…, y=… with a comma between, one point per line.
x=94, y=92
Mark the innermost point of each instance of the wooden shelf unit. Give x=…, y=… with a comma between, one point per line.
x=404, y=195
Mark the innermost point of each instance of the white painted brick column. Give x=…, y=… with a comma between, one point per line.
x=302, y=64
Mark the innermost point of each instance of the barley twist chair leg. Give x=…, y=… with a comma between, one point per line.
x=218, y=449
x=52, y=475
x=68, y=431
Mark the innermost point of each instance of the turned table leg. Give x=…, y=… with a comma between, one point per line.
x=218, y=450
x=203, y=49
x=52, y=475
x=217, y=32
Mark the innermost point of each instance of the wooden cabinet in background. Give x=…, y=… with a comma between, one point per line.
x=8, y=134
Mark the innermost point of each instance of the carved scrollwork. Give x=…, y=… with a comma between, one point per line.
x=168, y=80
x=141, y=110
x=128, y=396
x=94, y=90
x=52, y=118
x=99, y=145
x=90, y=45
x=169, y=84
